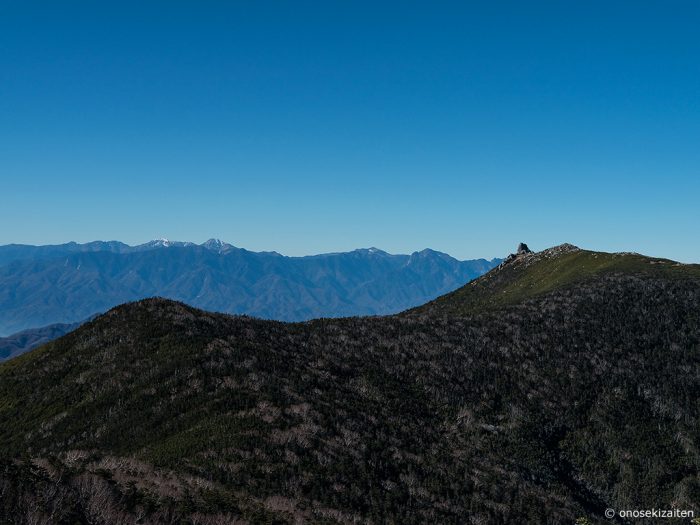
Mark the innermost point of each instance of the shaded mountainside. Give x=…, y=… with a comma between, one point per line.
x=68, y=283
x=551, y=405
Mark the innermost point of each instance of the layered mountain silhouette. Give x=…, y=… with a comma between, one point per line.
x=560, y=384
x=42, y=285
x=16, y=344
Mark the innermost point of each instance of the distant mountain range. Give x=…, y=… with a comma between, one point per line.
x=43, y=285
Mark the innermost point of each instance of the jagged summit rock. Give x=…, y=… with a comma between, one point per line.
x=525, y=253
x=523, y=249
x=520, y=252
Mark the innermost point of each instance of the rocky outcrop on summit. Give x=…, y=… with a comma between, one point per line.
x=523, y=249
x=560, y=250
x=524, y=253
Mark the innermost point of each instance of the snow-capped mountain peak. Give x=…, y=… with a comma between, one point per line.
x=163, y=243
x=217, y=245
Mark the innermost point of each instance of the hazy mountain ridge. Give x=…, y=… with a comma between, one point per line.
x=26, y=340
x=577, y=395
x=20, y=252
x=68, y=283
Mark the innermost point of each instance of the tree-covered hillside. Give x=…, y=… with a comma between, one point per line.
x=543, y=409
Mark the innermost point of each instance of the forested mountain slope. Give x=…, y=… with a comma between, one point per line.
x=542, y=408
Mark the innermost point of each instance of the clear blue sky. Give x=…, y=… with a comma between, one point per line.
x=308, y=127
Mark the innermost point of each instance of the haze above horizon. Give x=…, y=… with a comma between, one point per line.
x=308, y=128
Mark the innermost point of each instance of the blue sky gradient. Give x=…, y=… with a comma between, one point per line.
x=308, y=127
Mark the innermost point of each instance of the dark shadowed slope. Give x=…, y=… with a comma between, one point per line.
x=556, y=406
x=43, y=289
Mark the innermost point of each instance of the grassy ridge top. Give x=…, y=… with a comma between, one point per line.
x=557, y=268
